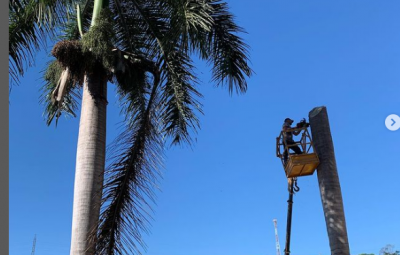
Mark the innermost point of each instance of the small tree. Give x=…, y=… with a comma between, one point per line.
x=388, y=250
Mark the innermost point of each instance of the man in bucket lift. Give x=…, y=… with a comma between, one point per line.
x=288, y=138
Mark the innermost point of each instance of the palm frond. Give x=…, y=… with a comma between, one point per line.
x=24, y=36
x=131, y=178
x=130, y=37
x=229, y=53
x=190, y=21
x=180, y=98
x=69, y=29
x=155, y=27
x=30, y=21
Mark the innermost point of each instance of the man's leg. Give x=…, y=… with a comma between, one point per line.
x=294, y=148
x=285, y=154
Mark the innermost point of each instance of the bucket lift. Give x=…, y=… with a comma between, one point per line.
x=298, y=164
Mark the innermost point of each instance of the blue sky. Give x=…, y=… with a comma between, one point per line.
x=220, y=196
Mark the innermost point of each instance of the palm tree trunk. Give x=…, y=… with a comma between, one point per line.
x=90, y=161
x=329, y=184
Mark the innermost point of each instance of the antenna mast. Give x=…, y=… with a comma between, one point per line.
x=278, y=247
x=33, y=246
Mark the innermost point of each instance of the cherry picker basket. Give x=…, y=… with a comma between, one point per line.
x=297, y=164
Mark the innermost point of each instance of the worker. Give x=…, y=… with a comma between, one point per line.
x=288, y=139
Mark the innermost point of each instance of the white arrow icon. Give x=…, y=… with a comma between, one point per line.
x=392, y=122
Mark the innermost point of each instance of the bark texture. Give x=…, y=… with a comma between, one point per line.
x=90, y=162
x=328, y=180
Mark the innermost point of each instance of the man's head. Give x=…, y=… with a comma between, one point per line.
x=289, y=121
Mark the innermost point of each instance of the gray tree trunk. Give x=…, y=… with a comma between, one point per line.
x=90, y=161
x=329, y=184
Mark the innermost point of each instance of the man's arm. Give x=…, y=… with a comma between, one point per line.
x=290, y=129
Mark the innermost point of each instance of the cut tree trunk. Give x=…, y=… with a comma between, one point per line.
x=329, y=184
x=90, y=162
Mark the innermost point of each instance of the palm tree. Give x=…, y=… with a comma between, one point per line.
x=145, y=48
x=30, y=23
x=329, y=184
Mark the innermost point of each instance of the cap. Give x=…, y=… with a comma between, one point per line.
x=288, y=119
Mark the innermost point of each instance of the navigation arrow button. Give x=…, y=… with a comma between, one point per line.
x=392, y=122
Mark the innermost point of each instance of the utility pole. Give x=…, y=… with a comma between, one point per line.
x=328, y=180
x=278, y=247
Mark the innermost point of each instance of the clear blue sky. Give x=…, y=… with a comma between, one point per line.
x=220, y=197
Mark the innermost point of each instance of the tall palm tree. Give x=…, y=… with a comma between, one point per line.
x=145, y=48
x=328, y=180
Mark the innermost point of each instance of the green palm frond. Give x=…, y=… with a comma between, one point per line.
x=70, y=29
x=133, y=82
x=178, y=77
x=180, y=98
x=132, y=177
x=30, y=22
x=229, y=53
x=191, y=21
x=24, y=36
x=128, y=27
